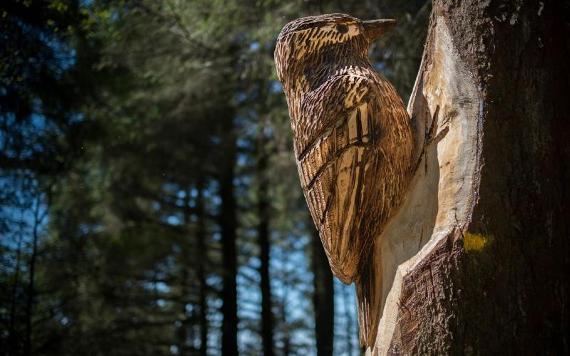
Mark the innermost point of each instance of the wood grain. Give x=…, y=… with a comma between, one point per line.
x=352, y=138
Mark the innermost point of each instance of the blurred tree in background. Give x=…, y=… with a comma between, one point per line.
x=150, y=202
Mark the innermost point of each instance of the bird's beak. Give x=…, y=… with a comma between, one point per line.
x=373, y=29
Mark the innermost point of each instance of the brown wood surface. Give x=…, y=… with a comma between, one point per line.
x=499, y=285
x=349, y=128
x=469, y=253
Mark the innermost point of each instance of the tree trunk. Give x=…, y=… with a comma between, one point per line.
x=348, y=315
x=31, y=283
x=228, y=225
x=263, y=206
x=323, y=297
x=202, y=259
x=476, y=259
x=13, y=344
x=185, y=321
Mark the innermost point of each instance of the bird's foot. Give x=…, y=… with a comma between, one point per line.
x=430, y=137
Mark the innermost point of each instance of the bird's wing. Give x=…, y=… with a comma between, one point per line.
x=322, y=109
x=334, y=142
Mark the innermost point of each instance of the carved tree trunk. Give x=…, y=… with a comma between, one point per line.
x=476, y=259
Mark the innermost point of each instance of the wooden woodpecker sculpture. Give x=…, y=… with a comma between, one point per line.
x=352, y=138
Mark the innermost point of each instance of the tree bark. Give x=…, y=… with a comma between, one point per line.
x=202, y=259
x=323, y=297
x=475, y=261
x=263, y=206
x=13, y=337
x=349, y=320
x=38, y=218
x=228, y=225
x=185, y=321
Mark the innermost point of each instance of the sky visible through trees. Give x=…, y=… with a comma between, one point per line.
x=149, y=200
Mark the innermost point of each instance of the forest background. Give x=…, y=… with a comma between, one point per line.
x=149, y=200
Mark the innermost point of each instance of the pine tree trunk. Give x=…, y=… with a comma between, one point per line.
x=185, y=321
x=31, y=281
x=476, y=260
x=13, y=337
x=202, y=259
x=228, y=225
x=323, y=298
x=263, y=206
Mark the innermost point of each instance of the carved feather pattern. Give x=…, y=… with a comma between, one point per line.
x=352, y=140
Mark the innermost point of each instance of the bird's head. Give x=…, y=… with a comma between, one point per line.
x=316, y=40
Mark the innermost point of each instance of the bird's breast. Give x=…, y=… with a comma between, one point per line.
x=349, y=164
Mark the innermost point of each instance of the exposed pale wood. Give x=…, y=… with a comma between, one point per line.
x=488, y=275
x=443, y=193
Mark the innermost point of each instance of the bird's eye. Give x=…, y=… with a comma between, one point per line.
x=342, y=28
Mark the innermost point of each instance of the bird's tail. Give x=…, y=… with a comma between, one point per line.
x=368, y=295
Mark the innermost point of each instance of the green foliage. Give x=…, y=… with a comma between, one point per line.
x=115, y=112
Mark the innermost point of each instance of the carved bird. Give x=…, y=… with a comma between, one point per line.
x=352, y=139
